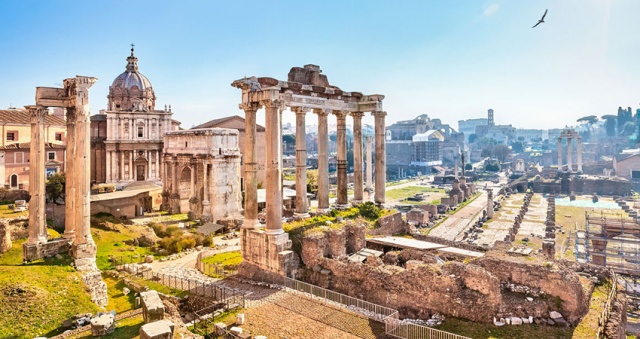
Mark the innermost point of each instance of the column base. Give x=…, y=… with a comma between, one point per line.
x=300, y=216
x=251, y=224
x=37, y=241
x=269, y=252
x=356, y=202
x=31, y=252
x=322, y=210
x=69, y=235
x=274, y=232
x=341, y=206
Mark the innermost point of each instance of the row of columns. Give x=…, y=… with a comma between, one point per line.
x=273, y=110
x=570, y=152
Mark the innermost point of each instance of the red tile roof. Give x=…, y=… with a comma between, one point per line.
x=21, y=117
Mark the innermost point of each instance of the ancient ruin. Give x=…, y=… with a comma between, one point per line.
x=570, y=134
x=74, y=97
x=202, y=173
x=306, y=89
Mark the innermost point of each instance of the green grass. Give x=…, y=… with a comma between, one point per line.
x=490, y=331
x=111, y=243
x=5, y=212
x=159, y=287
x=406, y=192
x=45, y=293
x=228, y=260
x=589, y=324
x=117, y=300
x=125, y=329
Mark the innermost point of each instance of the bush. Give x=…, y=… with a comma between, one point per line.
x=188, y=242
x=208, y=241
x=369, y=210
x=159, y=229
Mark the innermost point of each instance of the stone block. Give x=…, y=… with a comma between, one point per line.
x=240, y=319
x=148, y=259
x=236, y=330
x=516, y=321
x=152, y=306
x=103, y=325
x=162, y=329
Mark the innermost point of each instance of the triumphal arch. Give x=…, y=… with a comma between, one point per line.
x=306, y=90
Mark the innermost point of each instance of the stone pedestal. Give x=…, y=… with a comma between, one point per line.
x=549, y=248
x=152, y=306
x=162, y=329
x=103, y=325
x=267, y=252
x=31, y=252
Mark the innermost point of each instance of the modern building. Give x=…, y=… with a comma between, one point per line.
x=127, y=137
x=427, y=149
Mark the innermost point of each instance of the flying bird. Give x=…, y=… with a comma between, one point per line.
x=541, y=19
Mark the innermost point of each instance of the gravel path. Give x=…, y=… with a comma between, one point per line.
x=456, y=223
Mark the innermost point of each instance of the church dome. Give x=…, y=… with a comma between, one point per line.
x=131, y=90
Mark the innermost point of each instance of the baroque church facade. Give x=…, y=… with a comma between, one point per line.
x=127, y=137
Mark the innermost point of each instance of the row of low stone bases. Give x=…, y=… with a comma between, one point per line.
x=266, y=256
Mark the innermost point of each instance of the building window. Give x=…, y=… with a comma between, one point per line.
x=635, y=175
x=58, y=136
x=18, y=157
x=51, y=155
x=12, y=136
x=14, y=181
x=140, y=132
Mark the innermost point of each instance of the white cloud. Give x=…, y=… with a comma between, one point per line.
x=491, y=10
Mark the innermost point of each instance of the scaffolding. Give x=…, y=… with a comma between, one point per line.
x=610, y=241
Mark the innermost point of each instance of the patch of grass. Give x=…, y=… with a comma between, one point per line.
x=36, y=298
x=228, y=260
x=159, y=287
x=5, y=212
x=489, y=331
x=117, y=300
x=405, y=192
x=125, y=329
x=589, y=324
x=112, y=243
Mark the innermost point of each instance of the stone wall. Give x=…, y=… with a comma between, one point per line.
x=333, y=243
x=31, y=252
x=415, y=284
x=390, y=225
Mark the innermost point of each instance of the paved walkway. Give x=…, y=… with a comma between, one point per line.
x=457, y=223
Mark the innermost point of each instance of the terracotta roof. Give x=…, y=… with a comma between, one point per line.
x=21, y=116
x=217, y=122
x=25, y=145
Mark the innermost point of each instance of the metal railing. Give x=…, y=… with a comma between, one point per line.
x=394, y=327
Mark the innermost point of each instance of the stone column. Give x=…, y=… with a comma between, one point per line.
x=323, y=160
x=193, y=180
x=131, y=167
x=342, y=200
x=206, y=205
x=274, y=180
x=301, y=163
x=489, y=203
x=357, y=157
x=250, y=167
x=121, y=166
x=37, y=217
x=369, y=167
x=84, y=247
x=580, y=154
x=70, y=203
x=381, y=157
x=569, y=154
x=149, y=163
x=158, y=166
x=108, y=165
x=560, y=154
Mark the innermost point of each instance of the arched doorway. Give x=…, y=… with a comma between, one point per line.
x=184, y=188
x=14, y=181
x=141, y=164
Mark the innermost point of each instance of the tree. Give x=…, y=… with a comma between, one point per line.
x=55, y=186
x=312, y=180
x=501, y=152
x=487, y=152
x=517, y=147
x=610, y=124
x=472, y=138
x=589, y=120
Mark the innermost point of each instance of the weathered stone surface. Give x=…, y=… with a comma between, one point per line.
x=236, y=330
x=152, y=307
x=390, y=225
x=103, y=325
x=161, y=329
x=5, y=237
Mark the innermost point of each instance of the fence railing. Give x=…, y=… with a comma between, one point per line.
x=604, y=316
x=212, y=270
x=394, y=327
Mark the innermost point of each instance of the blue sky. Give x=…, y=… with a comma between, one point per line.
x=449, y=59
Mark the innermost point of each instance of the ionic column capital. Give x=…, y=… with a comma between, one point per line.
x=340, y=115
x=357, y=115
x=250, y=106
x=322, y=111
x=272, y=103
x=379, y=113
x=300, y=110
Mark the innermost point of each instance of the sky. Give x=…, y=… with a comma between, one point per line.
x=451, y=60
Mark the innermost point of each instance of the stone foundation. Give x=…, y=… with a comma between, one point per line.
x=268, y=252
x=85, y=263
x=31, y=252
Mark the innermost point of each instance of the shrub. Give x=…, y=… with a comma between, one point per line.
x=369, y=210
x=208, y=241
x=159, y=229
x=188, y=242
